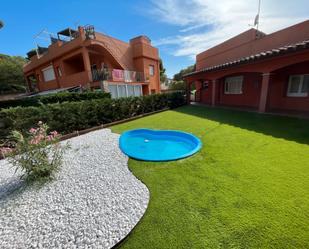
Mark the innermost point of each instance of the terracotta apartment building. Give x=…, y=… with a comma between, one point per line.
x=267, y=73
x=91, y=59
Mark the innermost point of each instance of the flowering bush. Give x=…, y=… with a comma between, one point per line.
x=5, y=151
x=39, y=154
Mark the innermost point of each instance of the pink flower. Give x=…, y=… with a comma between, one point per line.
x=5, y=150
x=38, y=138
x=32, y=130
x=54, y=133
x=49, y=138
x=34, y=141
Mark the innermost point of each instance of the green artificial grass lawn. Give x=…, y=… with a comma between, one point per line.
x=247, y=188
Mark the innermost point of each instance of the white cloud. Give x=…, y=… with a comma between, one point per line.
x=205, y=23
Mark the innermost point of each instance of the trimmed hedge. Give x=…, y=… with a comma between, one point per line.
x=67, y=117
x=53, y=98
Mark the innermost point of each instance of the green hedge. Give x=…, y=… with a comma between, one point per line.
x=67, y=117
x=53, y=98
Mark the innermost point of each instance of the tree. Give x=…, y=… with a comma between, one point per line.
x=11, y=73
x=178, y=83
x=163, y=76
x=179, y=76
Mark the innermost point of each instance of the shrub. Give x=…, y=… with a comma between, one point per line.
x=71, y=116
x=53, y=98
x=39, y=154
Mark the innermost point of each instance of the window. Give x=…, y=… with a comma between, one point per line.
x=124, y=90
x=233, y=85
x=151, y=70
x=298, y=85
x=48, y=73
x=113, y=91
x=130, y=89
x=205, y=85
x=59, y=71
x=138, y=90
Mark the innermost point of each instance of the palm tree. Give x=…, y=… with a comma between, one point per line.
x=1, y=24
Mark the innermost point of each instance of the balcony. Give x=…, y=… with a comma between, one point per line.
x=117, y=75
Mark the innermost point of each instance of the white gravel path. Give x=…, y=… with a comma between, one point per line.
x=94, y=202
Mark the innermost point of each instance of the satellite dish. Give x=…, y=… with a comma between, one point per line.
x=1, y=24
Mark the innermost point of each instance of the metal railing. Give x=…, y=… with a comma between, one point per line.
x=118, y=75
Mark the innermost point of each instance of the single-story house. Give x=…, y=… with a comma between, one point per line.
x=257, y=71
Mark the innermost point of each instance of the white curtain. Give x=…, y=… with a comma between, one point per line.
x=113, y=91
x=130, y=90
x=48, y=73
x=138, y=90
x=122, y=92
x=125, y=90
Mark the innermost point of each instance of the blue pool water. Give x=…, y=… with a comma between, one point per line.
x=158, y=145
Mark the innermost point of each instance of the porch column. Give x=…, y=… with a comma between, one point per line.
x=87, y=65
x=213, y=92
x=264, y=92
x=198, y=92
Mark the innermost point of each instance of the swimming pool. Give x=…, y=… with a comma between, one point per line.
x=158, y=145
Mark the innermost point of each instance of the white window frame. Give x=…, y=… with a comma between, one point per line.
x=230, y=80
x=152, y=71
x=53, y=73
x=299, y=93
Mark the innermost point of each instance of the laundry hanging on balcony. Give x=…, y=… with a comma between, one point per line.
x=118, y=75
x=127, y=76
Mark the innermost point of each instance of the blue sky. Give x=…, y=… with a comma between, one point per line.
x=179, y=28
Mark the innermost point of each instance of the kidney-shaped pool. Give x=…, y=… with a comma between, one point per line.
x=158, y=145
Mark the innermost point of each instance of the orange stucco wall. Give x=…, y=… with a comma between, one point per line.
x=250, y=92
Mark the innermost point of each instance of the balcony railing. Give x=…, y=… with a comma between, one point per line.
x=117, y=75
